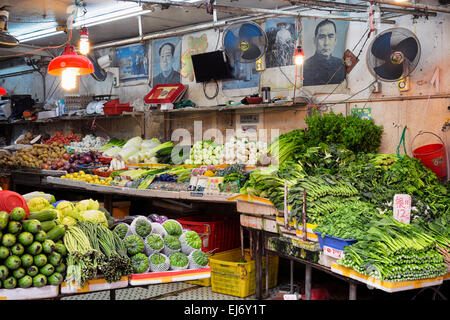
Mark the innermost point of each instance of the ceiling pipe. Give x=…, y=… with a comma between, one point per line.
x=277, y=12
x=424, y=7
x=361, y=7
x=198, y=27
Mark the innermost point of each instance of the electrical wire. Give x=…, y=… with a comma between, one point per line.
x=216, y=92
x=67, y=42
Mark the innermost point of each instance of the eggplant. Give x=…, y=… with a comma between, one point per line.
x=163, y=218
x=154, y=217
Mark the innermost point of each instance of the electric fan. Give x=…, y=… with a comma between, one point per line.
x=393, y=54
x=6, y=40
x=244, y=42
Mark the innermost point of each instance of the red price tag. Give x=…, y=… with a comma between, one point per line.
x=335, y=253
x=402, y=208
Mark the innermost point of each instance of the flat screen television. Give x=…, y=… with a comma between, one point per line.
x=211, y=66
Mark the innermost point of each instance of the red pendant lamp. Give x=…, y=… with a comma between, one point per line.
x=2, y=91
x=69, y=65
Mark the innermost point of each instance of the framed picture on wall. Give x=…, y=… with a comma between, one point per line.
x=133, y=63
x=166, y=61
x=324, y=46
x=281, y=42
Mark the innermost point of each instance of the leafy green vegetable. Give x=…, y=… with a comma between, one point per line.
x=178, y=260
x=173, y=227
x=143, y=227
x=134, y=245
x=172, y=242
x=190, y=240
x=121, y=230
x=155, y=242
x=140, y=263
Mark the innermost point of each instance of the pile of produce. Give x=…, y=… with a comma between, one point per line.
x=347, y=222
x=31, y=251
x=112, y=148
x=138, y=150
x=394, y=251
x=324, y=195
x=156, y=244
x=60, y=138
x=44, y=156
x=270, y=182
x=28, y=137
x=234, y=151
x=86, y=177
x=88, y=143
x=206, y=152
x=351, y=132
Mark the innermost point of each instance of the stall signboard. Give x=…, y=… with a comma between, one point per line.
x=402, y=208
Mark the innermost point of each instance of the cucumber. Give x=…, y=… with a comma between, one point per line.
x=40, y=260
x=47, y=270
x=55, y=279
x=27, y=260
x=60, y=268
x=39, y=280
x=19, y=273
x=17, y=249
x=61, y=249
x=4, y=272
x=48, y=225
x=41, y=236
x=48, y=246
x=33, y=226
x=25, y=238
x=4, y=218
x=4, y=252
x=25, y=282
x=10, y=283
x=18, y=214
x=35, y=248
x=13, y=262
x=32, y=271
x=44, y=215
x=54, y=258
x=56, y=233
x=14, y=227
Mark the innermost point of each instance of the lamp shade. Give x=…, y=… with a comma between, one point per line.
x=2, y=91
x=70, y=59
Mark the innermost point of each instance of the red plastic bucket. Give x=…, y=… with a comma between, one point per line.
x=433, y=156
x=10, y=200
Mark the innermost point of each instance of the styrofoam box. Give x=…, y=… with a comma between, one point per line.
x=29, y=293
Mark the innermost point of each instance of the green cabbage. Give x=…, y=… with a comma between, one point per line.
x=191, y=239
x=38, y=204
x=67, y=209
x=94, y=216
x=157, y=258
x=140, y=263
x=88, y=204
x=143, y=227
x=173, y=227
x=199, y=258
x=134, y=245
x=121, y=230
x=178, y=260
x=172, y=242
x=155, y=241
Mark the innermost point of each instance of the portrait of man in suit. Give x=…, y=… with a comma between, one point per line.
x=168, y=64
x=323, y=67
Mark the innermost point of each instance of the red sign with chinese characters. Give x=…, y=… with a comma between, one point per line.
x=402, y=208
x=334, y=253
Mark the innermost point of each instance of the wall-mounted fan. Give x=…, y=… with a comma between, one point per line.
x=102, y=66
x=393, y=54
x=244, y=42
x=6, y=40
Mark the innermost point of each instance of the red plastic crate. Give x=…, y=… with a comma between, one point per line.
x=219, y=232
x=114, y=107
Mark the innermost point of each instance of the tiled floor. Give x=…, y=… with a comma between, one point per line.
x=167, y=291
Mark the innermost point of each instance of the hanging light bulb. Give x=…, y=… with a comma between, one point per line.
x=69, y=65
x=85, y=45
x=69, y=79
x=299, y=56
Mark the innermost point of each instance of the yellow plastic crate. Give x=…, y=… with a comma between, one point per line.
x=232, y=277
x=201, y=282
